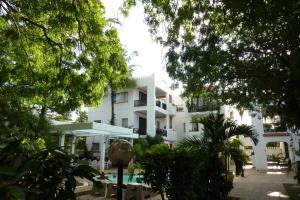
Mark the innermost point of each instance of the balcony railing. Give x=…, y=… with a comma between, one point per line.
x=161, y=104
x=161, y=132
x=138, y=103
x=139, y=131
x=164, y=106
x=274, y=127
x=204, y=108
x=158, y=103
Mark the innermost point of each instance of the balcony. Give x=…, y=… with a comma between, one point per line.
x=196, y=130
x=161, y=132
x=138, y=103
x=171, y=135
x=161, y=104
x=171, y=109
x=274, y=127
x=194, y=134
x=139, y=131
x=203, y=108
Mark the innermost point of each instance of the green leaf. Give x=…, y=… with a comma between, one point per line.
x=17, y=192
x=7, y=170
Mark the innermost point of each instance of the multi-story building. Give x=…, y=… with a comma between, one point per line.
x=149, y=108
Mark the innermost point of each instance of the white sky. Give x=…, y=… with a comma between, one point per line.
x=134, y=35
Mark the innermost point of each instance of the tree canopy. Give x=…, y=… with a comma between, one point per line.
x=244, y=52
x=57, y=55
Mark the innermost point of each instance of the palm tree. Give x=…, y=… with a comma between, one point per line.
x=215, y=144
x=121, y=81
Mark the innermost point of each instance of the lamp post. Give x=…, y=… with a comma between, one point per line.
x=120, y=153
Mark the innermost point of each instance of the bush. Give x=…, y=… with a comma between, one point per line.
x=31, y=170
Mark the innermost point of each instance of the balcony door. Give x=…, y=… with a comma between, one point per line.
x=142, y=125
x=142, y=96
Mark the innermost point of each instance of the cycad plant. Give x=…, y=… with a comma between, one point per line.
x=214, y=148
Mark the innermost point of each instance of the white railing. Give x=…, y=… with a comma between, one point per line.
x=193, y=134
x=171, y=135
x=171, y=108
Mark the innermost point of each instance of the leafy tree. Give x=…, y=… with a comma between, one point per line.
x=54, y=56
x=57, y=55
x=82, y=116
x=245, y=52
x=119, y=82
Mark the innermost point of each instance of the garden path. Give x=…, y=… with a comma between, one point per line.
x=263, y=185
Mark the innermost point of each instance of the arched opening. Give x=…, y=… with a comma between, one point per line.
x=278, y=156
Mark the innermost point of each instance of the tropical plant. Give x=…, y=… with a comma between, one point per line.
x=31, y=170
x=236, y=154
x=216, y=149
x=156, y=164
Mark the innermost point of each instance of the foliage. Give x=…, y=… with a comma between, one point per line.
x=275, y=158
x=297, y=176
x=82, y=116
x=31, y=170
x=131, y=170
x=17, y=120
x=214, y=149
x=236, y=154
x=140, y=146
x=209, y=175
x=121, y=82
x=63, y=117
x=57, y=55
x=156, y=164
x=246, y=52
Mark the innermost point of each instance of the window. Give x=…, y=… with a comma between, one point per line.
x=195, y=127
x=142, y=96
x=121, y=97
x=184, y=127
x=197, y=102
x=125, y=122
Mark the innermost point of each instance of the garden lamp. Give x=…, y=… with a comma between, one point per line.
x=120, y=153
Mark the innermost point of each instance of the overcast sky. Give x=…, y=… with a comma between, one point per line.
x=134, y=36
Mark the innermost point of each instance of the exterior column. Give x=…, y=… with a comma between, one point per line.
x=73, y=144
x=102, y=148
x=131, y=141
x=167, y=122
x=260, y=157
x=151, y=109
x=61, y=142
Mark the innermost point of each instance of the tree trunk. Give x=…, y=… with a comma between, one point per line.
x=161, y=191
x=42, y=119
x=112, y=96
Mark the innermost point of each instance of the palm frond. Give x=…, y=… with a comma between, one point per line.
x=244, y=130
x=190, y=143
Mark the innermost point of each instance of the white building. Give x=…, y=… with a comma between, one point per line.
x=149, y=108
